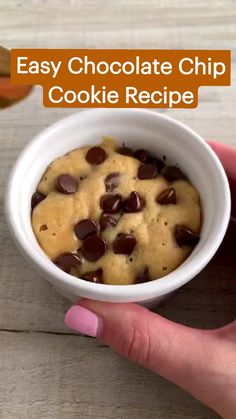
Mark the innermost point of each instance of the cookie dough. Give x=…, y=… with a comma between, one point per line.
x=111, y=215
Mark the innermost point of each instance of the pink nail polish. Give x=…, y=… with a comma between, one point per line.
x=83, y=320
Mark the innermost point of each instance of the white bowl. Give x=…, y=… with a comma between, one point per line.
x=138, y=129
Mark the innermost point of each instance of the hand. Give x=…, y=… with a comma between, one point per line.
x=200, y=361
x=9, y=93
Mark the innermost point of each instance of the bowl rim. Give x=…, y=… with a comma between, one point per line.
x=118, y=293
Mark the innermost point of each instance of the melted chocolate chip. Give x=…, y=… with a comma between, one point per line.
x=125, y=151
x=147, y=171
x=173, y=173
x=143, y=276
x=43, y=227
x=111, y=181
x=157, y=162
x=124, y=244
x=93, y=276
x=85, y=228
x=134, y=203
x=166, y=197
x=111, y=203
x=185, y=237
x=141, y=155
x=96, y=155
x=107, y=220
x=67, y=184
x=37, y=197
x=67, y=260
x=93, y=248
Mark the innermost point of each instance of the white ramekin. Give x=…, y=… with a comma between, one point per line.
x=138, y=129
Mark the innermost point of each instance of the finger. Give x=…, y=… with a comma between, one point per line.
x=227, y=156
x=183, y=355
x=10, y=94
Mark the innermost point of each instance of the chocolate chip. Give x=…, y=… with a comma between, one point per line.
x=93, y=248
x=93, y=276
x=96, y=155
x=147, y=171
x=125, y=151
x=43, y=227
x=168, y=196
x=173, y=173
x=134, y=203
x=67, y=184
x=67, y=260
x=85, y=228
x=111, y=181
x=107, y=220
x=111, y=203
x=157, y=162
x=37, y=197
x=143, y=276
x=185, y=237
x=141, y=155
x=124, y=244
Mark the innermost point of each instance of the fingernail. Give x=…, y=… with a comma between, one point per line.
x=83, y=321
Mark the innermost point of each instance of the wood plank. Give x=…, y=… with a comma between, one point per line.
x=50, y=376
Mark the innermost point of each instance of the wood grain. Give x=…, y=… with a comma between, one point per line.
x=46, y=372
x=50, y=376
x=4, y=62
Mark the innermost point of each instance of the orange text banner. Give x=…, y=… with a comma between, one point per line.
x=120, y=78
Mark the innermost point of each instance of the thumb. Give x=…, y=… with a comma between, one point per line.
x=185, y=356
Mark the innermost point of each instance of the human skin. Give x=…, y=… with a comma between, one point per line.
x=10, y=94
x=203, y=362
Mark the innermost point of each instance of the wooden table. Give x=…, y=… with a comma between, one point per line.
x=45, y=370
